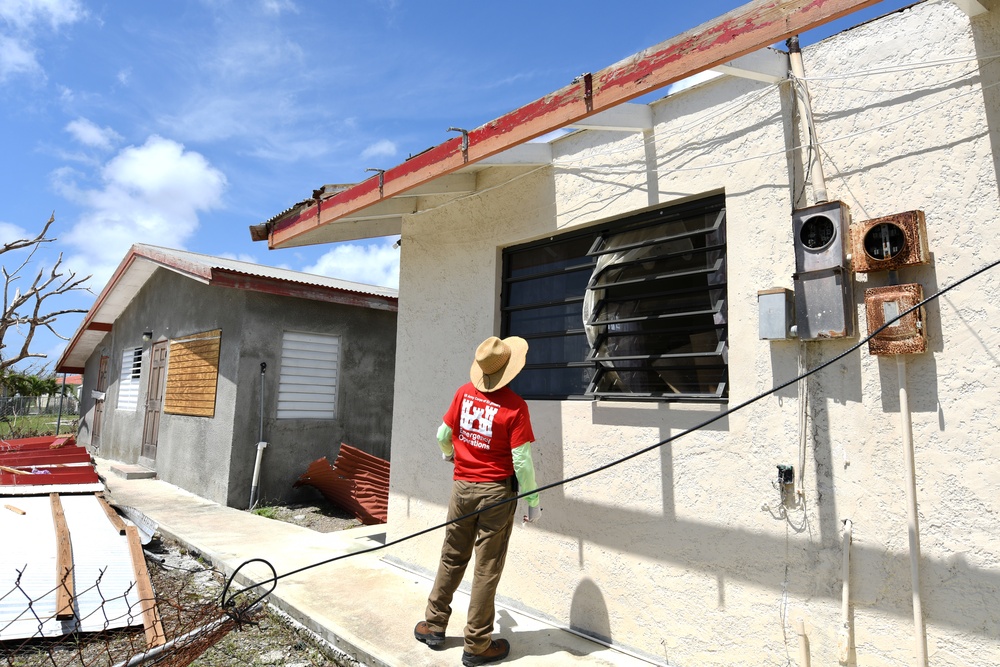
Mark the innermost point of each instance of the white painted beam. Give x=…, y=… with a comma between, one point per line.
x=388, y=208
x=452, y=184
x=767, y=65
x=970, y=7
x=624, y=118
x=521, y=155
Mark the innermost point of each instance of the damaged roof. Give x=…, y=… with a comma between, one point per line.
x=143, y=260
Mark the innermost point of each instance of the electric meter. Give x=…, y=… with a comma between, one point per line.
x=817, y=232
x=884, y=241
x=890, y=242
x=820, y=236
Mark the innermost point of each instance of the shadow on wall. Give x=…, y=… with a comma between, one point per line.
x=588, y=614
x=986, y=34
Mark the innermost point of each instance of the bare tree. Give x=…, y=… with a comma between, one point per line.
x=23, y=310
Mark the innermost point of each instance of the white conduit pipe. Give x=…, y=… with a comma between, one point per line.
x=800, y=630
x=919, y=629
x=844, y=640
x=801, y=92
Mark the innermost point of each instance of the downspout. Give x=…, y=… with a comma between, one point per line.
x=62, y=397
x=800, y=630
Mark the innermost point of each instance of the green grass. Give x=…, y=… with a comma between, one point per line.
x=33, y=426
x=266, y=512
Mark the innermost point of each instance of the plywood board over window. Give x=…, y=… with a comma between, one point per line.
x=193, y=374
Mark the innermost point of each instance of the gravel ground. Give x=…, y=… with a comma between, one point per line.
x=318, y=515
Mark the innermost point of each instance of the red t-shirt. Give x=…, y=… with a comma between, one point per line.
x=485, y=427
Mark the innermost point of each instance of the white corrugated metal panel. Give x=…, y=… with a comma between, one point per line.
x=105, y=594
x=307, y=384
x=128, y=381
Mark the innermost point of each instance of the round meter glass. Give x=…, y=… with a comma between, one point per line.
x=884, y=241
x=817, y=232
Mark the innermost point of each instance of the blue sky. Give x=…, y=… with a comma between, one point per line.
x=181, y=123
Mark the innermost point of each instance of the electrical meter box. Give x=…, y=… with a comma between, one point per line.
x=820, y=236
x=888, y=243
x=905, y=335
x=776, y=308
x=824, y=304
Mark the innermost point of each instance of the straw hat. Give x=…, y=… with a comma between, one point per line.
x=498, y=362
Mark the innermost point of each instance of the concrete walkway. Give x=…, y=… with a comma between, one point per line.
x=363, y=605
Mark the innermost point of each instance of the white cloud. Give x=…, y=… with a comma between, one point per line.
x=124, y=76
x=90, y=134
x=150, y=194
x=381, y=148
x=374, y=263
x=239, y=257
x=16, y=57
x=20, y=22
x=26, y=14
x=279, y=6
x=10, y=233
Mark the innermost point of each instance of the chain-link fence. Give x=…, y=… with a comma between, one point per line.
x=122, y=629
x=31, y=416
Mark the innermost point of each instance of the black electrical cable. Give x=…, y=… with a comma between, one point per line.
x=629, y=457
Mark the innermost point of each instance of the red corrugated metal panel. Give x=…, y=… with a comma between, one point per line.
x=357, y=481
x=51, y=476
x=43, y=442
x=45, y=457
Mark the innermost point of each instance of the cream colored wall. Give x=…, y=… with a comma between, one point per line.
x=681, y=553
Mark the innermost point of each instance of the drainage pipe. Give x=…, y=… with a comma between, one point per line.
x=919, y=629
x=800, y=630
x=260, y=441
x=804, y=104
x=844, y=640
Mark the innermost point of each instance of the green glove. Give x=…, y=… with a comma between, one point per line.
x=524, y=468
x=444, y=442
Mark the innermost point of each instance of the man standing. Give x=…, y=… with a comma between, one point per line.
x=487, y=435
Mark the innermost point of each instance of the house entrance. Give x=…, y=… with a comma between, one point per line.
x=154, y=402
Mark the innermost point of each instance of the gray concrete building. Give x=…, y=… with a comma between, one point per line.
x=189, y=361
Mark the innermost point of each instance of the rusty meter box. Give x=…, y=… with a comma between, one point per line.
x=905, y=335
x=891, y=242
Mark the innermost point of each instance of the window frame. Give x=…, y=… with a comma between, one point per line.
x=602, y=235
x=129, y=379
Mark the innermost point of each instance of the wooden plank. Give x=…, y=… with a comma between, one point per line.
x=13, y=471
x=15, y=510
x=753, y=26
x=113, y=517
x=147, y=601
x=64, y=561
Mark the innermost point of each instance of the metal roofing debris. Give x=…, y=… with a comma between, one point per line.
x=104, y=593
x=34, y=466
x=70, y=564
x=357, y=481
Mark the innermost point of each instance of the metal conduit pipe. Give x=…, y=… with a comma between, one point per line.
x=919, y=629
x=804, y=105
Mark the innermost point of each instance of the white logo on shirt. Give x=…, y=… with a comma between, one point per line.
x=478, y=422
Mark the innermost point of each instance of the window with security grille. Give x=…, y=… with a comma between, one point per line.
x=128, y=381
x=307, y=383
x=634, y=308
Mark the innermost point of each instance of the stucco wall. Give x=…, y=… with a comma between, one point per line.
x=364, y=401
x=683, y=554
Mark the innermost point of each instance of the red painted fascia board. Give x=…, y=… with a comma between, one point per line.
x=748, y=28
x=237, y=280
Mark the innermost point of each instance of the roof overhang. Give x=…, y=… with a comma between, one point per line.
x=734, y=43
x=142, y=261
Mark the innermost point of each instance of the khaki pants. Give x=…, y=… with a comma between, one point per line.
x=489, y=533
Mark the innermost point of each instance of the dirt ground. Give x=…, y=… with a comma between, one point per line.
x=318, y=514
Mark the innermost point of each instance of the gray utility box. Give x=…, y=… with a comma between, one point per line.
x=824, y=304
x=776, y=310
x=821, y=238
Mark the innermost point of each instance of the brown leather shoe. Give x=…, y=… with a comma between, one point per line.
x=498, y=650
x=423, y=633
